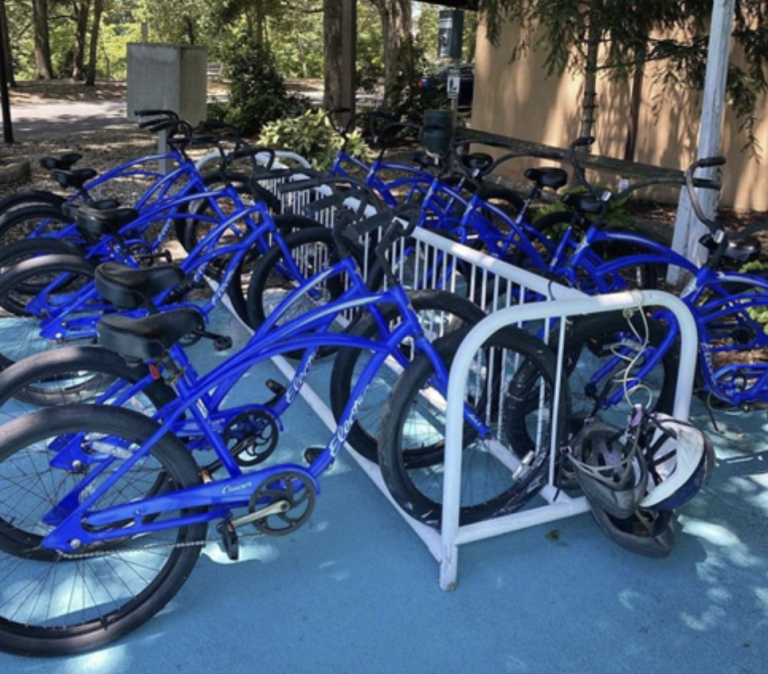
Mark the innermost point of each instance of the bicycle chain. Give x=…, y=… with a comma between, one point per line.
x=154, y=546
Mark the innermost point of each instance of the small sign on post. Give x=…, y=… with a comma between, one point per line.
x=453, y=83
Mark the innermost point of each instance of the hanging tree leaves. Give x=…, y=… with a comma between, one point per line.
x=632, y=33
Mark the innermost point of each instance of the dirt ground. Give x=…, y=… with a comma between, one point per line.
x=66, y=90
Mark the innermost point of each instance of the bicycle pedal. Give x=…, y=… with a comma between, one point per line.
x=312, y=453
x=229, y=540
x=277, y=389
x=275, y=386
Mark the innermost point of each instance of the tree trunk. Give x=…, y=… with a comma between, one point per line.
x=248, y=22
x=589, y=102
x=6, y=40
x=189, y=24
x=98, y=6
x=634, y=103
x=396, y=23
x=43, y=65
x=260, y=22
x=302, y=55
x=81, y=37
x=332, y=24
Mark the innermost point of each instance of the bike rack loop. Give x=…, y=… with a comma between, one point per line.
x=453, y=535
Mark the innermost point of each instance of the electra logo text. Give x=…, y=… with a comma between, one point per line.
x=229, y=489
x=299, y=380
x=343, y=430
x=222, y=287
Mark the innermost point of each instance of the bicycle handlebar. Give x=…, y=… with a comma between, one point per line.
x=156, y=113
x=475, y=173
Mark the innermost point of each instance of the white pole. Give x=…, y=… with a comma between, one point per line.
x=688, y=230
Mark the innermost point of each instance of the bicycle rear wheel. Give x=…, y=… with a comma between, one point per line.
x=84, y=374
x=309, y=251
x=52, y=604
x=439, y=314
x=63, y=277
x=604, y=352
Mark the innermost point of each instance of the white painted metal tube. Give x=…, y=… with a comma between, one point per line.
x=531, y=312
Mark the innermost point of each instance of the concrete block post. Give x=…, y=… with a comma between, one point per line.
x=168, y=77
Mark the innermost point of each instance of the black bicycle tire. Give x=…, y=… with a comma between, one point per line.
x=176, y=461
x=29, y=269
x=393, y=463
x=26, y=249
x=267, y=263
x=29, y=198
x=286, y=224
x=587, y=330
x=487, y=192
x=16, y=379
x=341, y=385
x=16, y=218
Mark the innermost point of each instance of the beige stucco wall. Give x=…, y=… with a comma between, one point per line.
x=516, y=99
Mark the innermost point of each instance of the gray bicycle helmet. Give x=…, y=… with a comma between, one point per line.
x=680, y=460
x=650, y=533
x=609, y=468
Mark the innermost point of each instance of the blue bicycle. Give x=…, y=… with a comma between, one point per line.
x=619, y=356
x=108, y=509
x=53, y=299
x=45, y=217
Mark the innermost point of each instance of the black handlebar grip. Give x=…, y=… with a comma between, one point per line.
x=584, y=141
x=546, y=154
x=156, y=113
x=155, y=127
x=708, y=162
x=707, y=184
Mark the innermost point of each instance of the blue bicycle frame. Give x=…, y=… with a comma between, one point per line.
x=199, y=399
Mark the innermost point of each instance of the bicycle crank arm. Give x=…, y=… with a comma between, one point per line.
x=274, y=509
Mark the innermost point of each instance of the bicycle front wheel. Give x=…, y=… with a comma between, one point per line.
x=501, y=472
x=56, y=604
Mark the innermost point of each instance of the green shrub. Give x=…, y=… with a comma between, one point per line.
x=312, y=136
x=404, y=95
x=758, y=313
x=258, y=95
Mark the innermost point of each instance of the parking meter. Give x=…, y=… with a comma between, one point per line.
x=450, y=29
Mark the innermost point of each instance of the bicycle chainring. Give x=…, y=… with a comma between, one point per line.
x=252, y=437
x=292, y=487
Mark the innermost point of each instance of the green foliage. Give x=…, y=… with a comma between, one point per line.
x=426, y=30
x=616, y=218
x=312, y=136
x=258, y=95
x=758, y=313
x=405, y=97
x=370, y=50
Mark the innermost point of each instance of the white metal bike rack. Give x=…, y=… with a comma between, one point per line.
x=509, y=285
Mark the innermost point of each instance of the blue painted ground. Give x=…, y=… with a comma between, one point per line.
x=355, y=590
